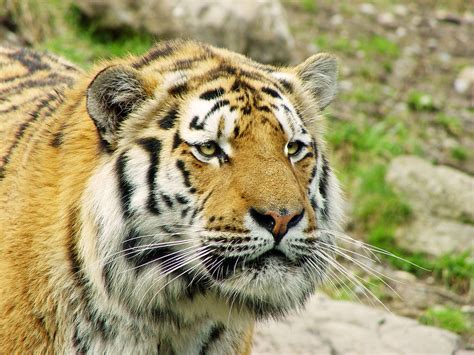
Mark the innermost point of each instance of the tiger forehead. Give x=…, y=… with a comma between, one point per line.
x=229, y=108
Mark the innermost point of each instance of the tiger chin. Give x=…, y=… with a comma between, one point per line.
x=161, y=203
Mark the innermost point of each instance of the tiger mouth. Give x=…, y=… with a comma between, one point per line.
x=232, y=265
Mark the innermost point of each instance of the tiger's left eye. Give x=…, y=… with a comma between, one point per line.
x=208, y=149
x=294, y=148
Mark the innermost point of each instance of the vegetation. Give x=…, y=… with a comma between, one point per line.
x=448, y=318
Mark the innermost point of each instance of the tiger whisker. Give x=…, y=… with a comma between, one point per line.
x=352, y=277
x=377, y=274
x=372, y=248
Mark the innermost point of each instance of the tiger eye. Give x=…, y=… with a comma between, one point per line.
x=293, y=148
x=208, y=149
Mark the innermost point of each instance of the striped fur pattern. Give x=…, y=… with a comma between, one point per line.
x=121, y=233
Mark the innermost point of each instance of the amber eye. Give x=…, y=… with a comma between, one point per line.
x=294, y=148
x=208, y=149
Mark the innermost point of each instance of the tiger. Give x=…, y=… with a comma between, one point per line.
x=162, y=203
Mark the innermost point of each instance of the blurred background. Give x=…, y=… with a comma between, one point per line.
x=401, y=132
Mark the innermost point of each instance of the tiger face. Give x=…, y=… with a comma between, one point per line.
x=214, y=182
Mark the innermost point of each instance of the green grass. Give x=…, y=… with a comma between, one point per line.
x=420, y=101
x=449, y=123
x=377, y=204
x=376, y=46
x=448, y=318
x=309, y=5
x=459, y=153
x=455, y=271
x=84, y=44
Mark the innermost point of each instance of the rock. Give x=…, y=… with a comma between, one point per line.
x=438, y=190
x=256, y=28
x=345, y=85
x=464, y=83
x=386, y=19
x=400, y=10
x=444, y=57
x=336, y=20
x=339, y=327
x=367, y=9
x=442, y=202
x=401, y=32
x=436, y=236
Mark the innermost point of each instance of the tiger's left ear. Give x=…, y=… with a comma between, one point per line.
x=112, y=95
x=319, y=76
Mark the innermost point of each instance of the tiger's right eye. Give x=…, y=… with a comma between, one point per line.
x=294, y=148
x=208, y=149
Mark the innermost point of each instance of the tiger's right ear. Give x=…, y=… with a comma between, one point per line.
x=112, y=95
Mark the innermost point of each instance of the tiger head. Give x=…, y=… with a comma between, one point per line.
x=214, y=179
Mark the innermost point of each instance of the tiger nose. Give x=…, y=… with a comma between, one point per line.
x=276, y=223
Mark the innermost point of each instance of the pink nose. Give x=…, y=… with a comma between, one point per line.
x=276, y=223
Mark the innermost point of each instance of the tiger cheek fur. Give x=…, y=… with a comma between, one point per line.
x=160, y=203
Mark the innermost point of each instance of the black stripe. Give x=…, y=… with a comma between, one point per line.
x=125, y=187
x=167, y=200
x=323, y=181
x=178, y=90
x=219, y=104
x=323, y=186
x=194, y=123
x=171, y=319
x=271, y=92
x=287, y=85
x=167, y=258
x=181, y=166
x=176, y=141
x=307, y=155
x=212, y=94
x=58, y=137
x=236, y=131
x=23, y=127
x=184, y=212
x=195, y=212
x=313, y=173
x=181, y=199
x=188, y=63
x=167, y=122
x=30, y=59
x=51, y=80
x=263, y=108
x=81, y=345
x=214, y=335
x=153, y=147
x=161, y=51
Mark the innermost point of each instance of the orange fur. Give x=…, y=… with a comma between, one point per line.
x=49, y=159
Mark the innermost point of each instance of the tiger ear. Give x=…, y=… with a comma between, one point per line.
x=112, y=95
x=319, y=76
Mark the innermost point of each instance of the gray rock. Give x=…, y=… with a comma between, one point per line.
x=464, y=83
x=367, y=9
x=436, y=236
x=438, y=190
x=386, y=19
x=338, y=327
x=442, y=200
x=256, y=28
